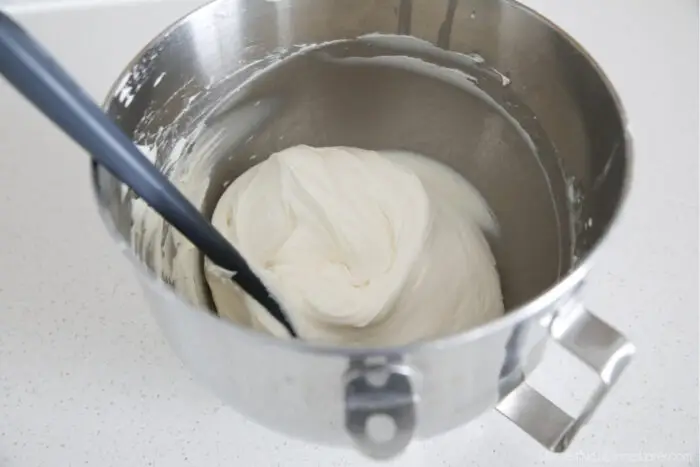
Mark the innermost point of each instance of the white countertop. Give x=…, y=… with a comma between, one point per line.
x=86, y=378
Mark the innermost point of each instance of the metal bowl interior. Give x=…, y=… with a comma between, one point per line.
x=535, y=126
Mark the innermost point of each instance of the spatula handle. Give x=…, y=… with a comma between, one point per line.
x=41, y=80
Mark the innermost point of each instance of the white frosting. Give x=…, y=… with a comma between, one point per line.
x=360, y=247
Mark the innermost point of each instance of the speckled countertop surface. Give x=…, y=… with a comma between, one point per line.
x=86, y=378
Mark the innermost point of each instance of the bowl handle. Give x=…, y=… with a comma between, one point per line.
x=381, y=392
x=595, y=343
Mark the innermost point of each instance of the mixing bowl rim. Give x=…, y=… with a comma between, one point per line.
x=528, y=310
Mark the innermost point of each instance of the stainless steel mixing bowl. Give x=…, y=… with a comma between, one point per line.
x=510, y=101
